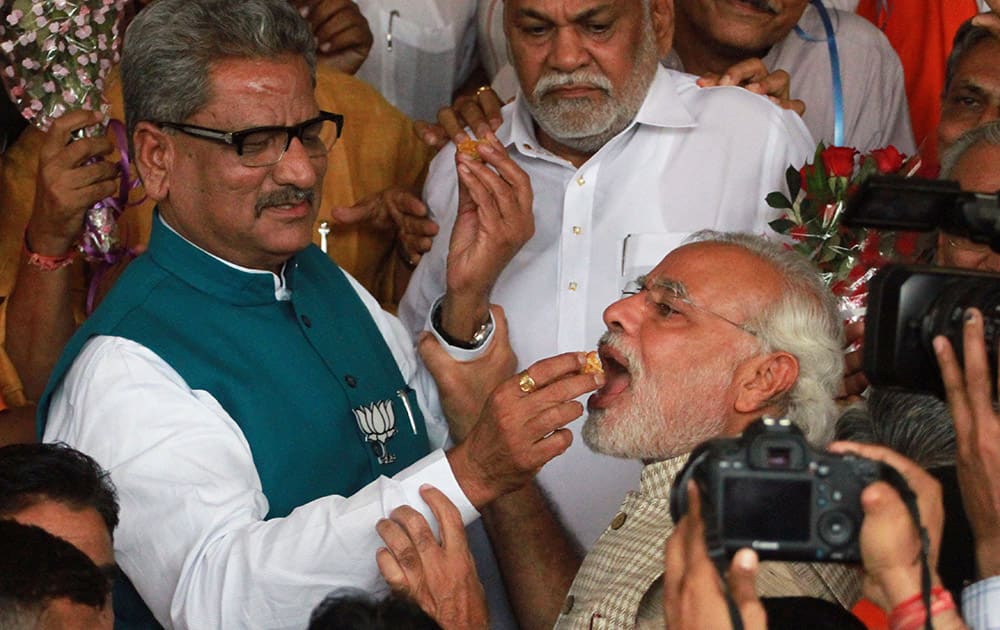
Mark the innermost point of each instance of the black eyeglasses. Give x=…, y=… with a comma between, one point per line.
x=265, y=146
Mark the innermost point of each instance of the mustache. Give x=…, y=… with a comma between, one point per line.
x=615, y=341
x=552, y=80
x=287, y=195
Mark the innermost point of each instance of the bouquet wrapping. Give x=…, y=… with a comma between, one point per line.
x=846, y=257
x=56, y=54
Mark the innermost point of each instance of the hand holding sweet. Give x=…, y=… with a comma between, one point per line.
x=521, y=427
x=494, y=220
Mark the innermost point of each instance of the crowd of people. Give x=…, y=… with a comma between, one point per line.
x=230, y=427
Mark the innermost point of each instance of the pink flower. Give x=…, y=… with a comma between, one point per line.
x=15, y=17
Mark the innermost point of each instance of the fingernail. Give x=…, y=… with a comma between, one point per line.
x=485, y=148
x=746, y=560
x=725, y=80
x=970, y=316
x=463, y=169
x=426, y=486
x=938, y=343
x=599, y=379
x=325, y=47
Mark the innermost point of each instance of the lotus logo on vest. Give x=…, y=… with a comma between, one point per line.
x=378, y=422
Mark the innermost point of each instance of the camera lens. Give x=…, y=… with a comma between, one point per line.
x=836, y=528
x=946, y=313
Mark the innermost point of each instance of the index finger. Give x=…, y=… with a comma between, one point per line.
x=547, y=371
x=450, y=527
x=747, y=71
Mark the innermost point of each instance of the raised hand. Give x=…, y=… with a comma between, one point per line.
x=977, y=434
x=494, y=220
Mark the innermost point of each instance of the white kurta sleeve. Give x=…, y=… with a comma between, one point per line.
x=192, y=536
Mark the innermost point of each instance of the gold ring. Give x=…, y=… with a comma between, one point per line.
x=484, y=88
x=526, y=383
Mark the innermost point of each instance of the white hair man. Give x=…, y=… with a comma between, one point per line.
x=724, y=330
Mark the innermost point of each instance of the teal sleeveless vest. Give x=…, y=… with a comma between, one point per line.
x=310, y=381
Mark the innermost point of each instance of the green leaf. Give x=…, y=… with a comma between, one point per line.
x=794, y=181
x=782, y=226
x=778, y=200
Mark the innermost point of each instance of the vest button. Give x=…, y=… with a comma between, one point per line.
x=351, y=381
x=306, y=321
x=568, y=604
x=618, y=520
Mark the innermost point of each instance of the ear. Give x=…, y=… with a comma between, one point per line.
x=154, y=152
x=662, y=15
x=762, y=379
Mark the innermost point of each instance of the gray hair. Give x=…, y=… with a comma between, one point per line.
x=988, y=134
x=171, y=45
x=966, y=38
x=916, y=425
x=805, y=323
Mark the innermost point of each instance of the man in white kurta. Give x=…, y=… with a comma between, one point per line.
x=691, y=158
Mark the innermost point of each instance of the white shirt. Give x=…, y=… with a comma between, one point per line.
x=875, y=109
x=694, y=158
x=981, y=604
x=423, y=51
x=192, y=536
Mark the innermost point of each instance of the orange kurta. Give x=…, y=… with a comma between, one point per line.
x=921, y=32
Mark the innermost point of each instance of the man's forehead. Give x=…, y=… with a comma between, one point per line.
x=721, y=270
x=570, y=10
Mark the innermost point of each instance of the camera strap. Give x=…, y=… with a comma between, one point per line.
x=891, y=476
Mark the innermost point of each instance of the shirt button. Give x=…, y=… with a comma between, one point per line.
x=618, y=520
x=568, y=604
x=306, y=321
x=577, y=230
x=572, y=286
x=351, y=381
x=580, y=181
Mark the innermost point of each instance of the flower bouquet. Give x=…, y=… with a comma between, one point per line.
x=847, y=257
x=56, y=54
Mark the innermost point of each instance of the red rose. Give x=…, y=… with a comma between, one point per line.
x=839, y=161
x=888, y=160
x=804, y=173
x=906, y=243
x=798, y=232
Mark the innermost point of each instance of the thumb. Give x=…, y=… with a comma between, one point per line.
x=435, y=357
x=431, y=134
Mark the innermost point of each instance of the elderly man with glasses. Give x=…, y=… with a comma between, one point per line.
x=257, y=411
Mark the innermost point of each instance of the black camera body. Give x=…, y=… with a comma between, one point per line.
x=769, y=490
x=908, y=306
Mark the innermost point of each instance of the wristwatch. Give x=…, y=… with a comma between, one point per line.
x=478, y=338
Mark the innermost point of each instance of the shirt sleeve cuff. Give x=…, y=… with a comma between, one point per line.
x=434, y=469
x=459, y=354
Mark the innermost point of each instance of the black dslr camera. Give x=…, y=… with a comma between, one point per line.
x=769, y=490
x=909, y=305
